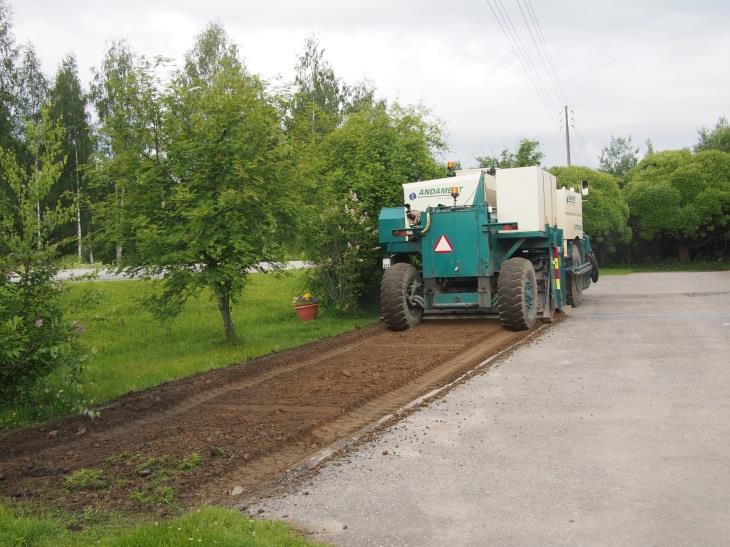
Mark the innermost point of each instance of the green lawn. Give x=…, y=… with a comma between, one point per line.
x=134, y=350
x=130, y=349
x=22, y=525
x=673, y=266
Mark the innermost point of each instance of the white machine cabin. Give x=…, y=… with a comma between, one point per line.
x=430, y=193
x=526, y=195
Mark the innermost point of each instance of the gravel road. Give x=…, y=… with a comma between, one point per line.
x=612, y=428
x=110, y=274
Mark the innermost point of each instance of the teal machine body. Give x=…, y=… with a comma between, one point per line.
x=461, y=257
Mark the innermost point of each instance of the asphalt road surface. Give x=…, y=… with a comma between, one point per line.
x=612, y=428
x=107, y=274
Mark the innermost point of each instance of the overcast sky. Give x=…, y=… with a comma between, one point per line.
x=649, y=69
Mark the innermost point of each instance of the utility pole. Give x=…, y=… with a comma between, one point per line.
x=567, y=134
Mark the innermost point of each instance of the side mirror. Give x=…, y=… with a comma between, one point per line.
x=584, y=187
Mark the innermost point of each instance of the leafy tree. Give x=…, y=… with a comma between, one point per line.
x=319, y=103
x=68, y=108
x=126, y=92
x=8, y=60
x=215, y=205
x=211, y=51
x=360, y=96
x=528, y=153
x=605, y=212
x=35, y=338
x=319, y=96
x=682, y=196
x=32, y=87
x=364, y=163
x=618, y=157
x=649, y=148
x=717, y=138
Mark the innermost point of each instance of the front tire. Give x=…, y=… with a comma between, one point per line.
x=575, y=289
x=400, y=284
x=517, y=294
x=594, y=271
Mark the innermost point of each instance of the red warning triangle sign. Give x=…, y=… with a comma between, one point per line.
x=443, y=245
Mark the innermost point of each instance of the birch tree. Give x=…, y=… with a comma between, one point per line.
x=68, y=108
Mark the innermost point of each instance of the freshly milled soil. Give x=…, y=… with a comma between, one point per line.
x=194, y=440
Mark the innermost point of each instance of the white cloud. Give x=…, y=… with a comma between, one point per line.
x=649, y=69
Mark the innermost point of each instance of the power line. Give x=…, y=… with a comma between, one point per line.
x=511, y=27
x=542, y=71
x=550, y=74
x=556, y=77
x=549, y=56
x=501, y=21
x=503, y=26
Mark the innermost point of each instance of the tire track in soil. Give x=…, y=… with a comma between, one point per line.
x=251, y=422
x=138, y=409
x=370, y=412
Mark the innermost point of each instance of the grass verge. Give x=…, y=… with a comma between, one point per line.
x=25, y=525
x=673, y=266
x=130, y=349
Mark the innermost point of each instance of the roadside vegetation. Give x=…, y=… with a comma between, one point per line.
x=32, y=526
x=669, y=266
x=127, y=348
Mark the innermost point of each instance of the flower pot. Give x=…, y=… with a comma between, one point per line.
x=308, y=312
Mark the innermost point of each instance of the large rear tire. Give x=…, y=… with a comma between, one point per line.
x=400, y=284
x=517, y=294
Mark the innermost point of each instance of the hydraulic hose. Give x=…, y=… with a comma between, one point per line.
x=428, y=223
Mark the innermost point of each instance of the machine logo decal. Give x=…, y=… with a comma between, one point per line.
x=440, y=191
x=412, y=196
x=443, y=246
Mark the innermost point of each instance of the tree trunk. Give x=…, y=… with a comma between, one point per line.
x=223, y=296
x=683, y=252
x=38, y=220
x=38, y=207
x=119, y=202
x=78, y=203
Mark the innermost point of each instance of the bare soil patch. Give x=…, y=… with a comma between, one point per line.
x=239, y=428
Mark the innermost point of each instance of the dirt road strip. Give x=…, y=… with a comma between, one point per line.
x=375, y=426
x=244, y=425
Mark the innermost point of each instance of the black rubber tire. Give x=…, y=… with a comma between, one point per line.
x=575, y=295
x=397, y=314
x=575, y=292
x=594, y=271
x=517, y=294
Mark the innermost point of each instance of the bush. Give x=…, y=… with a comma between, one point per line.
x=363, y=164
x=35, y=338
x=341, y=246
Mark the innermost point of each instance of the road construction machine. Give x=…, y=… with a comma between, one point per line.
x=504, y=242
